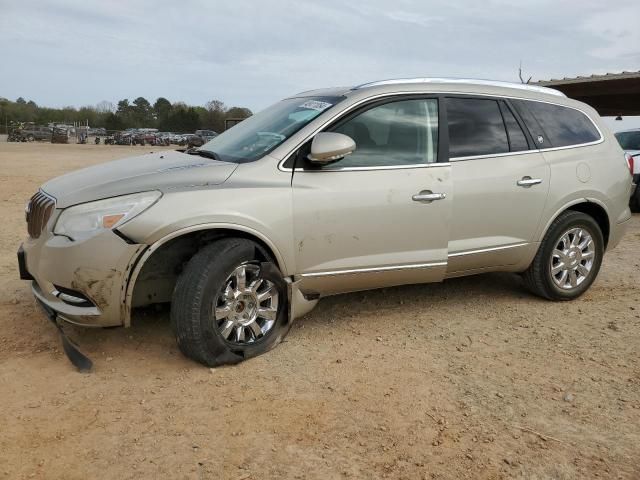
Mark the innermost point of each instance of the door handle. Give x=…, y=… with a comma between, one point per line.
x=427, y=196
x=528, y=182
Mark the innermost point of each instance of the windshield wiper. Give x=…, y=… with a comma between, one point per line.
x=204, y=153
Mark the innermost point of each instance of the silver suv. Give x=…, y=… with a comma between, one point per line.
x=332, y=191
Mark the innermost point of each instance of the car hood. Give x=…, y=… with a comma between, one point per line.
x=153, y=171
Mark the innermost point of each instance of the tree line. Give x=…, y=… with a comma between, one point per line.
x=139, y=113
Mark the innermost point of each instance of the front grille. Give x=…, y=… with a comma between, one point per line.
x=39, y=211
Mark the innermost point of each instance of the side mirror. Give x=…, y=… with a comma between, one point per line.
x=328, y=147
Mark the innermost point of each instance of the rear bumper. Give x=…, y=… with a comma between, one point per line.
x=618, y=231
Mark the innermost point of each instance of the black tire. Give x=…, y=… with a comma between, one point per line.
x=538, y=278
x=634, y=202
x=196, y=293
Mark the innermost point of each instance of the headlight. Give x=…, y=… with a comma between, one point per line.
x=110, y=213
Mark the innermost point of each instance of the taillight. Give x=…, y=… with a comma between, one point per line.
x=630, y=161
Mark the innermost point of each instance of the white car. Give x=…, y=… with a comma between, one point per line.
x=630, y=142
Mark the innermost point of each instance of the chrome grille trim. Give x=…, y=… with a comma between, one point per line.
x=38, y=213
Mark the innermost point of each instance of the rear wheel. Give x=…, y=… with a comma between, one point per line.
x=568, y=259
x=229, y=304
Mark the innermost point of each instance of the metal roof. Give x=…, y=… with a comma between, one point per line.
x=591, y=78
x=610, y=94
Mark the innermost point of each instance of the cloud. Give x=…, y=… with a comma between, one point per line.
x=252, y=53
x=618, y=32
x=414, y=18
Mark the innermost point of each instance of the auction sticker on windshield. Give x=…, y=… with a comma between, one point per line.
x=316, y=105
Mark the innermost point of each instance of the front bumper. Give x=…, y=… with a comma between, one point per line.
x=97, y=268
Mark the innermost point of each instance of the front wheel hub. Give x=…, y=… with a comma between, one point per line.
x=246, y=306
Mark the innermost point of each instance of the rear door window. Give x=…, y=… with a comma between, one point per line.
x=475, y=128
x=555, y=125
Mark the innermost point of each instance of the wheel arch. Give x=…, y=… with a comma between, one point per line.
x=165, y=257
x=592, y=207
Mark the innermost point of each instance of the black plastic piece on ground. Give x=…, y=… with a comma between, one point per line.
x=22, y=265
x=75, y=356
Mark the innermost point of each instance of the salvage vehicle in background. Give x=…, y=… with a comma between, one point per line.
x=175, y=138
x=206, y=135
x=143, y=138
x=332, y=191
x=630, y=142
x=30, y=133
x=15, y=135
x=164, y=138
x=60, y=134
x=189, y=139
x=37, y=132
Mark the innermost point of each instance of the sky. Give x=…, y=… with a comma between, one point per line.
x=252, y=53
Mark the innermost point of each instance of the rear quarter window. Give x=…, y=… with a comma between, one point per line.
x=556, y=125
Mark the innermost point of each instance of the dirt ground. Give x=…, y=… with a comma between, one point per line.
x=471, y=378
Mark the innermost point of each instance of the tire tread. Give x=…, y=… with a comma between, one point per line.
x=535, y=278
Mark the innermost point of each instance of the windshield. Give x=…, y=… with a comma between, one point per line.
x=259, y=134
x=629, y=140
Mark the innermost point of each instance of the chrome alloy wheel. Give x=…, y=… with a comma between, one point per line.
x=246, y=307
x=572, y=258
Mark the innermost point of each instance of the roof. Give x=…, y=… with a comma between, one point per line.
x=437, y=82
x=465, y=81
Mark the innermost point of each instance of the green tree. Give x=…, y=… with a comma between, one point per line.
x=142, y=112
x=162, y=114
x=214, y=119
x=161, y=110
x=113, y=121
x=238, y=112
x=123, y=108
x=161, y=107
x=183, y=119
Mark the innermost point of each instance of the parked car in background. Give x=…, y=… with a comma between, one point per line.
x=332, y=191
x=189, y=139
x=206, y=135
x=165, y=137
x=145, y=138
x=199, y=138
x=61, y=134
x=195, y=141
x=32, y=133
x=98, y=132
x=630, y=142
x=175, y=138
x=125, y=137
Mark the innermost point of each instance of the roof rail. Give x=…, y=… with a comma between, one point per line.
x=491, y=83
